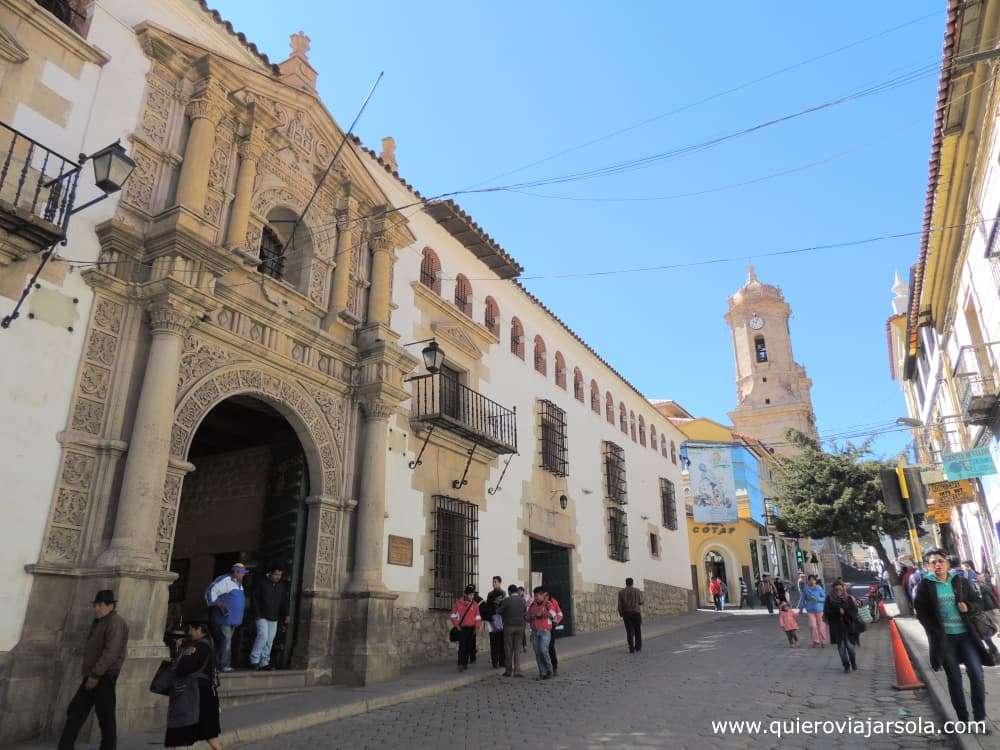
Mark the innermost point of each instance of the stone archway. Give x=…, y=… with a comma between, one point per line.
x=728, y=559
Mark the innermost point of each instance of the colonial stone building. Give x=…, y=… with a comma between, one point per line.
x=216, y=367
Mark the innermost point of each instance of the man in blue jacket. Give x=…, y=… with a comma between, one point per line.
x=226, y=602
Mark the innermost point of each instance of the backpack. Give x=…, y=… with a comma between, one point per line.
x=208, y=589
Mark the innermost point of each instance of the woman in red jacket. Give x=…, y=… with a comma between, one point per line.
x=466, y=618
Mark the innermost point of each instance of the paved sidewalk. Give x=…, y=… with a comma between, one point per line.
x=261, y=721
x=916, y=643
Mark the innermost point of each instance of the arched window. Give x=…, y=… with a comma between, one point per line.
x=463, y=295
x=673, y=452
x=578, y=384
x=642, y=431
x=631, y=424
x=760, y=348
x=609, y=407
x=560, y=370
x=516, y=338
x=492, y=317
x=540, y=363
x=272, y=259
x=430, y=271
x=622, y=418
x=652, y=437
x=663, y=445
x=595, y=397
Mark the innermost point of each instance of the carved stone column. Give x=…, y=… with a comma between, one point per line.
x=133, y=544
x=369, y=541
x=348, y=239
x=205, y=110
x=381, y=289
x=250, y=151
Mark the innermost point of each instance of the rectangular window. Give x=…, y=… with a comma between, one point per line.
x=618, y=535
x=553, y=442
x=455, y=553
x=654, y=544
x=614, y=473
x=668, y=500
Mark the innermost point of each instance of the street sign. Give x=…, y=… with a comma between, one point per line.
x=950, y=494
x=968, y=464
x=939, y=514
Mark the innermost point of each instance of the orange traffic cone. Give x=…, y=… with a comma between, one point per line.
x=906, y=678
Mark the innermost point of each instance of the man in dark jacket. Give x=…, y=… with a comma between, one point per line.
x=630, y=610
x=513, y=611
x=103, y=656
x=269, y=605
x=488, y=610
x=948, y=607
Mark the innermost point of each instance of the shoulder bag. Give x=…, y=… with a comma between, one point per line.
x=456, y=634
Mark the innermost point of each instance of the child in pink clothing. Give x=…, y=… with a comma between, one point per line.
x=790, y=624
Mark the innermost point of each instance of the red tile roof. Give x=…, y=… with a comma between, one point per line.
x=217, y=17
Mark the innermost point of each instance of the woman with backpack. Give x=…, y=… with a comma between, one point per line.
x=193, y=712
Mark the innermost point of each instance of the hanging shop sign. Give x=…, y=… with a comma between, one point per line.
x=977, y=462
x=950, y=494
x=713, y=487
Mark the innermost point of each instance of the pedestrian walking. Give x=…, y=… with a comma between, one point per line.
x=193, y=715
x=815, y=601
x=887, y=586
x=513, y=611
x=790, y=624
x=556, y=626
x=947, y=605
x=970, y=571
x=767, y=594
x=715, y=589
x=840, y=613
x=540, y=619
x=489, y=611
x=103, y=657
x=268, y=606
x=226, y=602
x=630, y=610
x=465, y=621
x=780, y=594
x=801, y=586
x=744, y=594
x=523, y=593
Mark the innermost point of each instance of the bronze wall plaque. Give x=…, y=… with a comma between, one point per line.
x=400, y=550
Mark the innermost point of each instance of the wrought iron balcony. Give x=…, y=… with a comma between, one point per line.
x=37, y=188
x=67, y=12
x=978, y=395
x=441, y=401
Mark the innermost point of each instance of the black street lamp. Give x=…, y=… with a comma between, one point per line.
x=112, y=166
x=433, y=357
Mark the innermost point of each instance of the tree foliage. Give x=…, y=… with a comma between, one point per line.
x=834, y=494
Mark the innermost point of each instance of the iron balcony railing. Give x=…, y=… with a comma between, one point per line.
x=976, y=384
x=65, y=11
x=441, y=400
x=37, y=188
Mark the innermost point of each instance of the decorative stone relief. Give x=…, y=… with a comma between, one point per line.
x=213, y=210
x=300, y=134
x=101, y=348
x=334, y=410
x=139, y=188
x=78, y=469
x=63, y=545
x=317, y=282
x=71, y=507
x=271, y=387
x=254, y=234
x=88, y=416
x=94, y=381
x=108, y=315
x=299, y=352
x=268, y=199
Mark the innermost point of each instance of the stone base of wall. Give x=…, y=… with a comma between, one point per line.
x=598, y=609
x=422, y=637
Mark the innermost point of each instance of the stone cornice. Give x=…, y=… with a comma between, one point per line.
x=59, y=32
x=10, y=49
x=479, y=334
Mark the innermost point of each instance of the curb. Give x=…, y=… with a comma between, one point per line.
x=938, y=695
x=272, y=729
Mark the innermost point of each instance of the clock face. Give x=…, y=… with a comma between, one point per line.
x=756, y=322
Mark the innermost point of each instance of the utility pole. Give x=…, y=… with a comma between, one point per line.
x=911, y=523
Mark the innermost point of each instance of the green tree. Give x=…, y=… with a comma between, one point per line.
x=835, y=494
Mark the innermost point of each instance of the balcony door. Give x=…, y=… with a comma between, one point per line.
x=450, y=392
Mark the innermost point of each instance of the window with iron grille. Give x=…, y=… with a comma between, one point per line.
x=668, y=498
x=618, y=535
x=455, y=553
x=654, y=544
x=614, y=472
x=553, y=438
x=272, y=259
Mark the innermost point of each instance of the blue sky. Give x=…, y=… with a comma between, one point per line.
x=475, y=89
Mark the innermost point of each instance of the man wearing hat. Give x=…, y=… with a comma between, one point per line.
x=226, y=601
x=103, y=656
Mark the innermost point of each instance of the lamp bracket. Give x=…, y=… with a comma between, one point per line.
x=494, y=490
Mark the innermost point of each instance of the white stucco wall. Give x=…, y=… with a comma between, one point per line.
x=515, y=383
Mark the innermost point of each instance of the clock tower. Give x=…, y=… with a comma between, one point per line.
x=772, y=389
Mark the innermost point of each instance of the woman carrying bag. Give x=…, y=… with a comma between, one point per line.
x=950, y=610
x=841, y=615
x=193, y=713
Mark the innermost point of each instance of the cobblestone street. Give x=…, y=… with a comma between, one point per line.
x=739, y=668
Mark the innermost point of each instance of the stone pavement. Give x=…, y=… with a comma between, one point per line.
x=319, y=706
x=916, y=642
x=737, y=667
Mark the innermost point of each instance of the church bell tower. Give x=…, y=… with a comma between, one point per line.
x=772, y=389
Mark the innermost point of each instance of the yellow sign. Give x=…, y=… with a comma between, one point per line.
x=939, y=514
x=950, y=494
